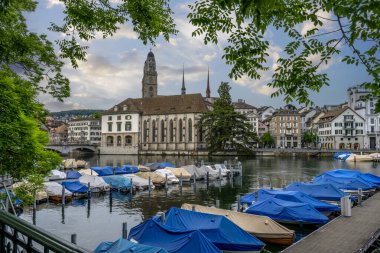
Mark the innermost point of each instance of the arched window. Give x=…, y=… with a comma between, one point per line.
x=119, y=140
x=171, y=131
x=190, y=130
x=180, y=130
x=200, y=134
x=109, y=140
x=145, y=131
x=128, y=140
x=154, y=135
x=163, y=131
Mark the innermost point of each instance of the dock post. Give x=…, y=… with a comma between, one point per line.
x=180, y=180
x=360, y=196
x=220, y=174
x=131, y=190
x=193, y=208
x=166, y=181
x=345, y=206
x=89, y=190
x=194, y=178
x=163, y=218
x=202, y=163
x=207, y=178
x=217, y=203
x=114, y=170
x=238, y=203
x=149, y=182
x=74, y=238
x=63, y=195
x=34, y=208
x=125, y=230
x=110, y=197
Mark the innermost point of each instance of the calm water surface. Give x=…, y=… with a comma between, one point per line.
x=101, y=218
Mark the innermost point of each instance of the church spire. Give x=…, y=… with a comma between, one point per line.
x=149, y=81
x=183, y=89
x=208, y=84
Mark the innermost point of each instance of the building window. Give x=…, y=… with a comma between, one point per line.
x=145, y=131
x=109, y=118
x=128, y=140
x=162, y=131
x=128, y=126
x=128, y=117
x=171, y=137
x=154, y=132
x=190, y=130
x=118, y=117
x=110, y=127
x=180, y=131
x=119, y=141
x=118, y=126
x=109, y=140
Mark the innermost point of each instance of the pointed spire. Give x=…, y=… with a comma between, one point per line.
x=208, y=83
x=183, y=89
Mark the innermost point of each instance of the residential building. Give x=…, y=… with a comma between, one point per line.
x=86, y=130
x=285, y=127
x=265, y=112
x=58, y=134
x=306, y=114
x=249, y=111
x=342, y=128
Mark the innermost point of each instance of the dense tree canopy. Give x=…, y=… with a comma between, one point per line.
x=310, y=138
x=267, y=140
x=225, y=128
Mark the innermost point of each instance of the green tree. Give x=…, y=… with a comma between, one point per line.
x=22, y=141
x=309, y=138
x=267, y=140
x=224, y=128
x=356, y=27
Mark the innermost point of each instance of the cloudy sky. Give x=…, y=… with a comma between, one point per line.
x=114, y=66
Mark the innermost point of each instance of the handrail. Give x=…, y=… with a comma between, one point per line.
x=39, y=235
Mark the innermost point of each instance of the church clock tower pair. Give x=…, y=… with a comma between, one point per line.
x=149, y=81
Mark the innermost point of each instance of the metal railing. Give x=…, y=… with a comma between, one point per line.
x=17, y=235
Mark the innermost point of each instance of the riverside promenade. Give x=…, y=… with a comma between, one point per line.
x=344, y=234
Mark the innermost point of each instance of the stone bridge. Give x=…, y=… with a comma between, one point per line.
x=65, y=149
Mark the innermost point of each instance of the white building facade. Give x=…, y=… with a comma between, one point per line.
x=84, y=131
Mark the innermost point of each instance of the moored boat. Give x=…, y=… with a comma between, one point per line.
x=262, y=227
x=124, y=246
x=54, y=191
x=97, y=184
x=180, y=172
x=167, y=174
x=155, y=178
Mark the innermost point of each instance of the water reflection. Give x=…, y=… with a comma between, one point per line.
x=101, y=217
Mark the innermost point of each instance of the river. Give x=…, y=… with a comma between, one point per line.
x=100, y=219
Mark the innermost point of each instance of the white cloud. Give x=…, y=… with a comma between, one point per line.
x=52, y=3
x=325, y=17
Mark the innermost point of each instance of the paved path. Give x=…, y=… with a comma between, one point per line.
x=343, y=234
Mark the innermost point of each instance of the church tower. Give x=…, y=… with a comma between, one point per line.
x=149, y=81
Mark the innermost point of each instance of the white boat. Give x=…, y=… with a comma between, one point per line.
x=88, y=172
x=360, y=158
x=223, y=169
x=200, y=173
x=178, y=172
x=57, y=175
x=172, y=179
x=70, y=164
x=212, y=172
x=54, y=191
x=97, y=184
x=139, y=182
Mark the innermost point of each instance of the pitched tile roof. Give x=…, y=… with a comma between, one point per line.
x=331, y=115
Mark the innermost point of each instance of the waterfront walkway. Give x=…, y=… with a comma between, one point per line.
x=343, y=234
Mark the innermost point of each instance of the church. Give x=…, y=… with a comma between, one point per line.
x=155, y=124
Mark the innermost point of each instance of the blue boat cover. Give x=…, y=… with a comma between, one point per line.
x=73, y=175
x=248, y=199
x=299, y=197
x=126, y=169
x=118, y=182
x=153, y=233
x=319, y=191
x=345, y=182
x=335, y=156
x=370, y=178
x=125, y=246
x=222, y=232
x=103, y=171
x=157, y=166
x=281, y=210
x=75, y=187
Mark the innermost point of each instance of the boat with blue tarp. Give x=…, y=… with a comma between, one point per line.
x=103, y=171
x=345, y=183
x=76, y=187
x=126, y=169
x=119, y=183
x=125, y=246
x=325, y=192
x=370, y=178
x=298, y=197
x=341, y=155
x=73, y=175
x=287, y=212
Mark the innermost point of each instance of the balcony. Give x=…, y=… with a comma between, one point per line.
x=349, y=119
x=373, y=132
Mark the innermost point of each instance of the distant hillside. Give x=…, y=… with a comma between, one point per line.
x=75, y=113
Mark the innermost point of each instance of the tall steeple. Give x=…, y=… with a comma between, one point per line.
x=208, y=84
x=183, y=89
x=149, y=81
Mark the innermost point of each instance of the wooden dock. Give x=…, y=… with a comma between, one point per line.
x=344, y=234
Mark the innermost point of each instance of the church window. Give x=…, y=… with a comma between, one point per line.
x=154, y=132
x=163, y=131
x=145, y=131
x=190, y=130
x=171, y=137
x=119, y=140
x=128, y=140
x=128, y=126
x=180, y=131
